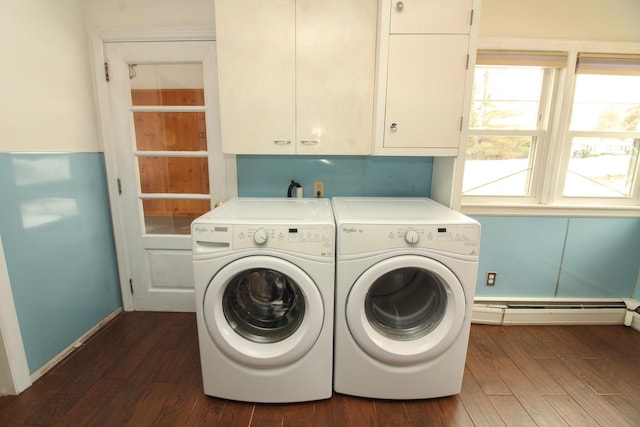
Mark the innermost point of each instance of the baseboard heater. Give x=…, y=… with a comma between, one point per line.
x=557, y=312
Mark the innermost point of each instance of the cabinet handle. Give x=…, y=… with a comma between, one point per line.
x=399, y=6
x=393, y=127
x=281, y=142
x=308, y=142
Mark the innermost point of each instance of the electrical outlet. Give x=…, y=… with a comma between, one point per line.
x=491, y=278
x=318, y=188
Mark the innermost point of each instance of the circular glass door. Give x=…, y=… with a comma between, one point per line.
x=263, y=305
x=263, y=311
x=406, y=309
x=406, y=303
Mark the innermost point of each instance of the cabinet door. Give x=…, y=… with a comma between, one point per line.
x=431, y=16
x=425, y=90
x=256, y=69
x=335, y=64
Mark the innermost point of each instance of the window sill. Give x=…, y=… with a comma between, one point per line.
x=550, y=210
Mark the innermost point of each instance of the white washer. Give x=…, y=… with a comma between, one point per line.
x=264, y=285
x=405, y=282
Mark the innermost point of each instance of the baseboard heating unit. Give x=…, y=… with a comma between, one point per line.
x=557, y=312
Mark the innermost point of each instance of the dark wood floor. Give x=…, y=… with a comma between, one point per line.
x=143, y=369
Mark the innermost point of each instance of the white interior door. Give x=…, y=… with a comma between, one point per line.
x=164, y=139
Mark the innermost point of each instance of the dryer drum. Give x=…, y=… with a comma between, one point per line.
x=263, y=305
x=406, y=304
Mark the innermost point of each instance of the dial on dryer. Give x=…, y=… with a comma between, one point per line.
x=260, y=237
x=411, y=237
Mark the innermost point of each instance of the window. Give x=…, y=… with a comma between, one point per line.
x=508, y=124
x=541, y=135
x=604, y=131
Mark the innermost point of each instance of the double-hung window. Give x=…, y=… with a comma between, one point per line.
x=509, y=123
x=604, y=130
x=553, y=129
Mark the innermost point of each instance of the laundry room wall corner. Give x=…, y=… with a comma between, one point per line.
x=58, y=244
x=54, y=214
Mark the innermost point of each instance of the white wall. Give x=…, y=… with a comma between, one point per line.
x=45, y=78
x=45, y=73
x=603, y=20
x=107, y=15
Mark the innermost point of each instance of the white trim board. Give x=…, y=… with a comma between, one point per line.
x=14, y=369
x=553, y=312
x=155, y=34
x=635, y=322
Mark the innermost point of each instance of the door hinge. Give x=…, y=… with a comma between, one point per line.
x=106, y=71
x=119, y=186
x=461, y=121
x=471, y=20
x=131, y=285
x=467, y=66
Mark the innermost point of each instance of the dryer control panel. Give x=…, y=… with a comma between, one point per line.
x=365, y=238
x=317, y=240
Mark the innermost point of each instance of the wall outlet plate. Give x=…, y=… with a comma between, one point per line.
x=491, y=278
x=318, y=188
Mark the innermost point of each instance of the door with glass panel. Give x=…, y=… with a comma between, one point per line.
x=170, y=169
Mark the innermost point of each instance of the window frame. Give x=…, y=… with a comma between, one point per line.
x=553, y=154
x=539, y=148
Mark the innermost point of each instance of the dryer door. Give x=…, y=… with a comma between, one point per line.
x=406, y=309
x=263, y=311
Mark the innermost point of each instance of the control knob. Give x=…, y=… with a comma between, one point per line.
x=411, y=237
x=260, y=237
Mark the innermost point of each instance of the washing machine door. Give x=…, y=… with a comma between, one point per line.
x=406, y=309
x=263, y=311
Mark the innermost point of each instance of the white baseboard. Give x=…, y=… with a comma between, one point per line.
x=548, y=312
x=635, y=322
x=588, y=316
x=487, y=315
x=510, y=316
x=77, y=343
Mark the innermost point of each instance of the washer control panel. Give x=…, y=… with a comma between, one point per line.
x=317, y=240
x=363, y=238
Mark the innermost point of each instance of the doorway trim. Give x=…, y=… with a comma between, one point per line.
x=98, y=40
x=14, y=369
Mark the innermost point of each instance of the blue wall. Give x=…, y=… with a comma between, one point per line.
x=56, y=230
x=545, y=257
x=535, y=257
x=269, y=176
x=58, y=243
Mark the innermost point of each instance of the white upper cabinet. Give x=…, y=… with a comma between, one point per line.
x=430, y=17
x=424, y=76
x=296, y=76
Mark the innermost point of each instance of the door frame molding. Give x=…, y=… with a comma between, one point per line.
x=98, y=40
x=14, y=368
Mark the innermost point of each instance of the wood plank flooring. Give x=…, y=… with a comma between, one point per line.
x=143, y=369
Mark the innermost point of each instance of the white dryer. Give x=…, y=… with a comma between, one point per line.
x=405, y=282
x=264, y=284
